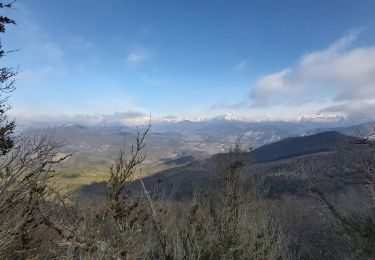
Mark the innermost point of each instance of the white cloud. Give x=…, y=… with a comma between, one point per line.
x=136, y=57
x=338, y=74
x=35, y=44
x=355, y=110
x=41, y=47
x=129, y=117
x=241, y=66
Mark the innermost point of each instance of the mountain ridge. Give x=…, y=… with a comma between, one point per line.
x=182, y=179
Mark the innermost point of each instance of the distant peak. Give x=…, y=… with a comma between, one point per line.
x=227, y=117
x=194, y=119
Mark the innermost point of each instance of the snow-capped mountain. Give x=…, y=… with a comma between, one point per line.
x=227, y=117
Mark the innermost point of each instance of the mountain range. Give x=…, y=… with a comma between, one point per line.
x=172, y=144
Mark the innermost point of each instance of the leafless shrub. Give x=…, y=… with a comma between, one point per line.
x=225, y=223
x=25, y=177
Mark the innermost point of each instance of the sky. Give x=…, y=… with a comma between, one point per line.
x=106, y=60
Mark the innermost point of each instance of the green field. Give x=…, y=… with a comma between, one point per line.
x=73, y=177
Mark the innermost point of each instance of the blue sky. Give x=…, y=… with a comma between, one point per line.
x=192, y=58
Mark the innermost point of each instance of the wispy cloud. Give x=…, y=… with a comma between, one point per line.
x=80, y=43
x=339, y=74
x=241, y=66
x=42, y=48
x=31, y=77
x=229, y=106
x=137, y=57
x=35, y=44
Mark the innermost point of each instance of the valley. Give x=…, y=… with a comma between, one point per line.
x=170, y=145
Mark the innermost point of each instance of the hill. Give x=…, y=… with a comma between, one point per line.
x=298, y=146
x=331, y=156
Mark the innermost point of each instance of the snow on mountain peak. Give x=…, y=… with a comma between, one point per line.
x=227, y=117
x=195, y=119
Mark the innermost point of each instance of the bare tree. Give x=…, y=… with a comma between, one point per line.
x=123, y=170
x=26, y=173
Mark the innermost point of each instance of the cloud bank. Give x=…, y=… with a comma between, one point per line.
x=340, y=75
x=130, y=117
